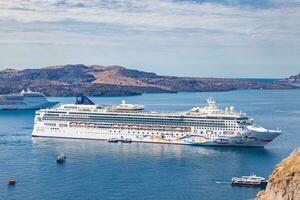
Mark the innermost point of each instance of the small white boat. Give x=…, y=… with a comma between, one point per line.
x=115, y=140
x=251, y=180
x=127, y=140
x=61, y=158
x=11, y=181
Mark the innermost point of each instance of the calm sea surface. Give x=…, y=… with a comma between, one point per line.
x=101, y=170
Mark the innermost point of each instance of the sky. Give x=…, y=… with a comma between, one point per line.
x=205, y=38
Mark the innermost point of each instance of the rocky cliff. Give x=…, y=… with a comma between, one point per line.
x=284, y=182
x=96, y=80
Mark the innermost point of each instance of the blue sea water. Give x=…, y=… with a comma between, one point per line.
x=101, y=170
x=263, y=80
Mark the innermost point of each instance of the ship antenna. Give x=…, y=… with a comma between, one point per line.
x=211, y=102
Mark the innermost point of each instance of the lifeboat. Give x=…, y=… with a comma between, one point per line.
x=73, y=124
x=92, y=125
x=83, y=124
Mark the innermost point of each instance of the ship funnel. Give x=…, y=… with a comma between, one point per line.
x=83, y=100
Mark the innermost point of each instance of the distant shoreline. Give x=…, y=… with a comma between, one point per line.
x=176, y=93
x=97, y=80
x=264, y=80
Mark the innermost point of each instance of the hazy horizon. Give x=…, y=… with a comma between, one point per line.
x=200, y=38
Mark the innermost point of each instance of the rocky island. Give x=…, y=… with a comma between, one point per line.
x=284, y=182
x=97, y=80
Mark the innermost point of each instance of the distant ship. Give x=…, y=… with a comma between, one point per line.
x=26, y=100
x=207, y=125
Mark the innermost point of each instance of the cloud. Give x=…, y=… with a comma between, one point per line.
x=161, y=33
x=188, y=17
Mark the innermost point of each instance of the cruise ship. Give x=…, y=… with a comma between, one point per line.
x=26, y=100
x=208, y=125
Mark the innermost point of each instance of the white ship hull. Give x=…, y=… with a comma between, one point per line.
x=26, y=100
x=27, y=106
x=249, y=139
x=200, y=126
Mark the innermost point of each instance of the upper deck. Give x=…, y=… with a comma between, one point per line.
x=211, y=111
x=20, y=96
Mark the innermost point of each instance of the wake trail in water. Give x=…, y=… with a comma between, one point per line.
x=222, y=182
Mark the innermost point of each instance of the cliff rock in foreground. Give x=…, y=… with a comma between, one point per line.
x=284, y=182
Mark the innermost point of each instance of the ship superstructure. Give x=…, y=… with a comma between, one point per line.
x=207, y=125
x=26, y=100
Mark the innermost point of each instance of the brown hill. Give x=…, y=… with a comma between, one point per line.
x=96, y=80
x=284, y=182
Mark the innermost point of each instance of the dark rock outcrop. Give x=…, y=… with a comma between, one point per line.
x=96, y=80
